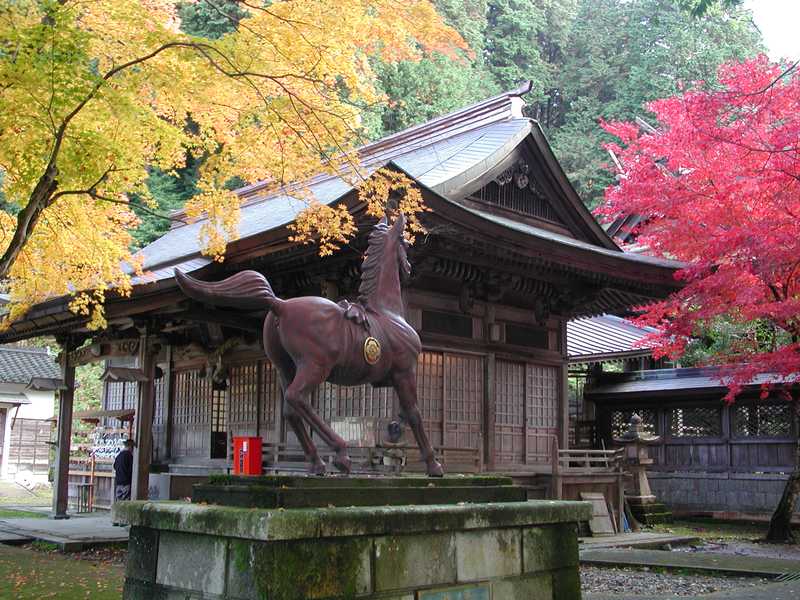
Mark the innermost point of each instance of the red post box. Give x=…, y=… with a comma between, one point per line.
x=247, y=456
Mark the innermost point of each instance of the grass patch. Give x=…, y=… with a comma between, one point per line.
x=709, y=529
x=42, y=546
x=13, y=513
x=30, y=575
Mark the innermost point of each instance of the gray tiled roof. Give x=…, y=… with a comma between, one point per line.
x=20, y=365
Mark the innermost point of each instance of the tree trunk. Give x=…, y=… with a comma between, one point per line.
x=780, y=526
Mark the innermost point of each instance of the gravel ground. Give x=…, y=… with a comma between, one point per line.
x=629, y=581
x=747, y=548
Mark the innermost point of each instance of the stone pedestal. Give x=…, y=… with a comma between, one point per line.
x=476, y=551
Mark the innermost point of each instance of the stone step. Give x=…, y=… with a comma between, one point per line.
x=697, y=561
x=257, y=496
x=11, y=538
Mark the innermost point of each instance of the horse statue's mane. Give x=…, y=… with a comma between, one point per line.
x=373, y=260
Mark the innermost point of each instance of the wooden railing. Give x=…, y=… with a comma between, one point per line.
x=283, y=457
x=587, y=462
x=578, y=470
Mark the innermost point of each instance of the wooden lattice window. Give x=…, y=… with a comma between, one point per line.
x=621, y=421
x=430, y=382
x=114, y=395
x=696, y=421
x=270, y=395
x=243, y=390
x=354, y=401
x=762, y=420
x=541, y=394
x=510, y=385
x=191, y=414
x=159, y=388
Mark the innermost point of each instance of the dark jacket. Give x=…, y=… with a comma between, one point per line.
x=123, y=467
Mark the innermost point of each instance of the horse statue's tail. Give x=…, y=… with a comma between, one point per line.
x=248, y=290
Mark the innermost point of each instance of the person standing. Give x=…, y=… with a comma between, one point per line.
x=123, y=471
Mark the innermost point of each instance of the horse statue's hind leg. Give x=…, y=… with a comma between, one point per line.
x=316, y=465
x=405, y=384
x=305, y=380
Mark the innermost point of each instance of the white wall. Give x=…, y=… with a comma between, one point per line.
x=41, y=407
x=6, y=439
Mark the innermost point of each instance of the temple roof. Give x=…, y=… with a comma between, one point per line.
x=450, y=158
x=445, y=154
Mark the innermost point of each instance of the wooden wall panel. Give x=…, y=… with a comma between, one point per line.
x=430, y=391
x=541, y=411
x=463, y=400
x=192, y=415
x=243, y=400
x=270, y=400
x=29, y=448
x=509, y=429
x=159, y=420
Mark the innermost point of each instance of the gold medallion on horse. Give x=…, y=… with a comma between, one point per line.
x=372, y=350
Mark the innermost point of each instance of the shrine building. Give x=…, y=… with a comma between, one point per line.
x=510, y=255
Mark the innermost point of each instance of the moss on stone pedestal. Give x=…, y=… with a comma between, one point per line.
x=299, y=570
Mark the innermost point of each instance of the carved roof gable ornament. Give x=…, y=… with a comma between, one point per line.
x=519, y=173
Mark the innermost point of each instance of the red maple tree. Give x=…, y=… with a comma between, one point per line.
x=718, y=185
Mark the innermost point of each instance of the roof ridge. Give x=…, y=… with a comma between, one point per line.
x=441, y=122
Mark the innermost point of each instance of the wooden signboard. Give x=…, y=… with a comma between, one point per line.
x=103, y=350
x=601, y=519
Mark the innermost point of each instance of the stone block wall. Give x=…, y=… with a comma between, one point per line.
x=459, y=553
x=745, y=493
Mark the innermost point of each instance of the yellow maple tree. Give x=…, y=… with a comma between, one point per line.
x=92, y=93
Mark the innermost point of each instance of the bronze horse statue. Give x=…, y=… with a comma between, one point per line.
x=311, y=339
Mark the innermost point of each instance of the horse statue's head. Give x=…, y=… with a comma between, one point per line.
x=386, y=261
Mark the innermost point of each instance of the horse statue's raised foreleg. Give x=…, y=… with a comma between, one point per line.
x=296, y=396
x=405, y=384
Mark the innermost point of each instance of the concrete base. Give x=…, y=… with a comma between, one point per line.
x=78, y=533
x=490, y=551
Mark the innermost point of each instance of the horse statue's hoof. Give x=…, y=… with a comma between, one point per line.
x=317, y=468
x=343, y=463
x=435, y=469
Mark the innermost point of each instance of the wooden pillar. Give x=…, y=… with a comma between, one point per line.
x=564, y=388
x=489, y=409
x=142, y=454
x=169, y=403
x=64, y=438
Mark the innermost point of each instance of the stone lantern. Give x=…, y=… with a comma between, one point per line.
x=643, y=503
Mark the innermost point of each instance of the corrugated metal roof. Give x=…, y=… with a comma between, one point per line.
x=604, y=337
x=20, y=365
